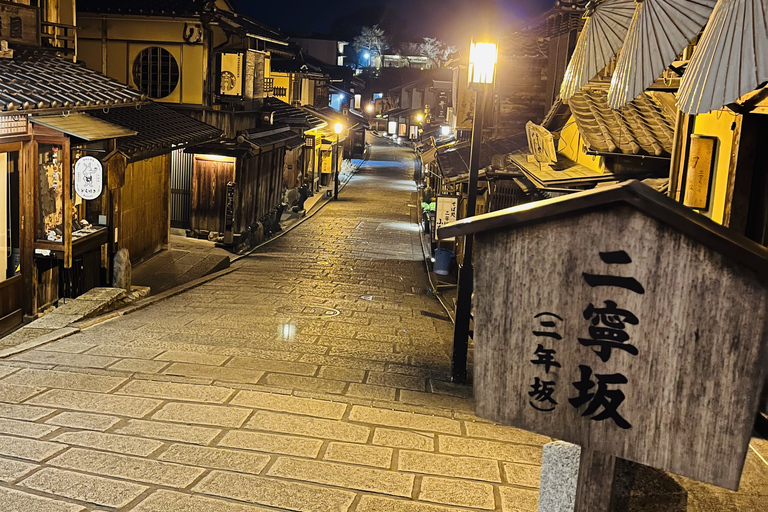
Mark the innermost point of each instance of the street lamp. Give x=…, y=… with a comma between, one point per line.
x=482, y=69
x=336, y=128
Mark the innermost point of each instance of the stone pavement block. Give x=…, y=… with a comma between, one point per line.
x=216, y=458
x=24, y=412
x=83, y=420
x=273, y=366
x=64, y=380
x=139, y=366
x=522, y=474
x=213, y=372
x=28, y=449
x=17, y=501
x=272, y=443
x=168, y=431
x=7, y=370
x=404, y=420
x=177, y=391
x=504, y=433
x=372, y=392
x=359, y=454
x=24, y=428
x=345, y=362
x=291, y=404
x=96, y=402
x=11, y=470
x=457, y=492
x=127, y=468
x=65, y=359
x=90, y=489
x=404, y=439
x=170, y=501
x=446, y=465
x=396, y=381
x=368, y=354
x=124, y=352
x=380, y=504
x=490, y=449
x=308, y=426
x=308, y=383
x=179, y=356
x=275, y=493
x=71, y=345
x=344, y=475
x=338, y=373
x=110, y=442
x=434, y=400
x=214, y=415
x=518, y=500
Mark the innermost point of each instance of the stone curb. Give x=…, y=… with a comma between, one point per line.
x=40, y=340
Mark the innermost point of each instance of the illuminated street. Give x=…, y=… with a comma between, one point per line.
x=249, y=390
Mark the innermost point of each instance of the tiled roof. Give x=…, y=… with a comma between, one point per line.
x=645, y=126
x=454, y=160
x=290, y=115
x=269, y=137
x=156, y=7
x=160, y=130
x=34, y=80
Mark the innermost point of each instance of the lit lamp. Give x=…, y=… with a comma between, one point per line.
x=336, y=128
x=419, y=119
x=482, y=69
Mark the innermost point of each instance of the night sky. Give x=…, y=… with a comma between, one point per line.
x=451, y=20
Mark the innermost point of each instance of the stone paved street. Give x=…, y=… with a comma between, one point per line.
x=314, y=378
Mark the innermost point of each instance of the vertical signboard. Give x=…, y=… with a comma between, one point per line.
x=229, y=213
x=446, y=209
x=623, y=322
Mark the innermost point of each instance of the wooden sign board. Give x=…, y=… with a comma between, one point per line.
x=698, y=175
x=612, y=330
x=446, y=211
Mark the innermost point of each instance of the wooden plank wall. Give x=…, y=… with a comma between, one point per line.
x=260, y=187
x=145, y=207
x=209, y=186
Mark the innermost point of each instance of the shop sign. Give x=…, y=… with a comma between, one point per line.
x=89, y=178
x=446, y=208
x=13, y=125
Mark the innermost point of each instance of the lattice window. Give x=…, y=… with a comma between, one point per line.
x=281, y=92
x=269, y=84
x=156, y=72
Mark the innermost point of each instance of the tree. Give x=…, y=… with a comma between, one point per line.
x=438, y=52
x=371, y=40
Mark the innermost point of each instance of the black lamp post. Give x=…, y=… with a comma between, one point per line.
x=482, y=66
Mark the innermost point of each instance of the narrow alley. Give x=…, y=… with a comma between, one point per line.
x=314, y=378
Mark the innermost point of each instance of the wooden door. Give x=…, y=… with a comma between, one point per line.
x=11, y=280
x=209, y=186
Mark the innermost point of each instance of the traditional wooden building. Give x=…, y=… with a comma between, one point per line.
x=206, y=60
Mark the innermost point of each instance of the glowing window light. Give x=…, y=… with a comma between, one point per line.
x=482, y=63
x=445, y=130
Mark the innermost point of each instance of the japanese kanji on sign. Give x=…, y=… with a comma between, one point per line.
x=623, y=322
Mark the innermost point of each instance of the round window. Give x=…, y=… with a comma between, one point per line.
x=156, y=72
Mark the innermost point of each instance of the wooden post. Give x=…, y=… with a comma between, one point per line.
x=28, y=200
x=594, y=489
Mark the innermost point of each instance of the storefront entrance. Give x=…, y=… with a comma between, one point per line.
x=11, y=281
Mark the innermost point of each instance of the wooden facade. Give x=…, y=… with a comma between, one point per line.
x=145, y=217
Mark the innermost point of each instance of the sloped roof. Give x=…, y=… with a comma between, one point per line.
x=160, y=130
x=35, y=80
x=290, y=115
x=645, y=126
x=454, y=160
x=154, y=7
x=632, y=193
